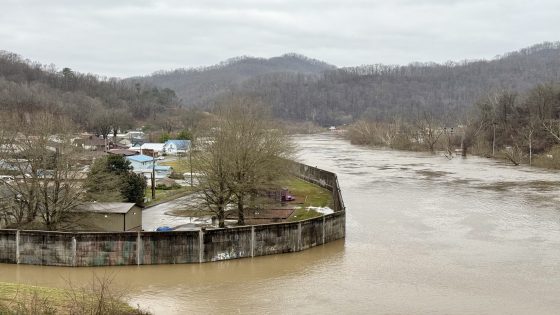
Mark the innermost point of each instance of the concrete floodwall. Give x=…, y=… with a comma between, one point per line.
x=169, y=247
x=276, y=238
x=45, y=248
x=320, y=177
x=8, y=250
x=223, y=244
x=106, y=249
x=138, y=248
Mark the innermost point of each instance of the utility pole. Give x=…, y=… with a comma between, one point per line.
x=190, y=162
x=153, y=175
x=494, y=140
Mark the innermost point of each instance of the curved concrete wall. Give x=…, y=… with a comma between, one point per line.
x=146, y=248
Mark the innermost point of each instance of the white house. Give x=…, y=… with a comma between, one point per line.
x=175, y=147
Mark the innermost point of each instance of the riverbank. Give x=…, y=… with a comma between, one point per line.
x=99, y=298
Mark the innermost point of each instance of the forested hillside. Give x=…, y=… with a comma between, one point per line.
x=315, y=91
x=93, y=103
x=198, y=86
x=296, y=87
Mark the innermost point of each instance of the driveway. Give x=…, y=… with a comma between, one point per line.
x=155, y=216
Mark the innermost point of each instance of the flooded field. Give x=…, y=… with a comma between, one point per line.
x=425, y=235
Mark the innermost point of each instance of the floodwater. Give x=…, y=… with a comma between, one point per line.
x=425, y=235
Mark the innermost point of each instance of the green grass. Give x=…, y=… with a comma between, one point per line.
x=181, y=165
x=190, y=213
x=29, y=299
x=307, y=195
x=163, y=195
x=13, y=291
x=303, y=214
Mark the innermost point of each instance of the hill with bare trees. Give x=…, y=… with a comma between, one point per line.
x=300, y=88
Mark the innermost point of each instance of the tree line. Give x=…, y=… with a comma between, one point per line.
x=508, y=124
x=97, y=104
x=335, y=96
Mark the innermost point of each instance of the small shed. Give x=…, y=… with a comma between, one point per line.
x=153, y=148
x=110, y=216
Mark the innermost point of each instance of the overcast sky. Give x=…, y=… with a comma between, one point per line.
x=134, y=37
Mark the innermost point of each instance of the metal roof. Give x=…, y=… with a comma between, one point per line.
x=106, y=207
x=140, y=158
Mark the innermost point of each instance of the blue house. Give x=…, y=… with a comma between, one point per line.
x=142, y=164
x=175, y=147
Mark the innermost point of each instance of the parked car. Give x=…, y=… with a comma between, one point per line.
x=164, y=229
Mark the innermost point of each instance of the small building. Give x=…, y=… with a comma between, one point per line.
x=143, y=164
x=175, y=147
x=140, y=162
x=109, y=216
x=122, y=152
x=156, y=148
x=92, y=143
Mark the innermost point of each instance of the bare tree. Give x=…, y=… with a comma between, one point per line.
x=38, y=150
x=247, y=154
x=552, y=126
x=258, y=157
x=214, y=175
x=429, y=130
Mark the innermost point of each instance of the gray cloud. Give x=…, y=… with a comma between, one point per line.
x=133, y=37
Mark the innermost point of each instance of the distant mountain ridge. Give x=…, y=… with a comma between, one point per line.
x=198, y=85
x=306, y=89
x=296, y=87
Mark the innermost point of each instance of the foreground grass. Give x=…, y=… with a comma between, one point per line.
x=27, y=299
x=12, y=295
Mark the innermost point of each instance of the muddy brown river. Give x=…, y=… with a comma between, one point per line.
x=425, y=235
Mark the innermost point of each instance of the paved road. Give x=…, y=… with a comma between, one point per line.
x=155, y=216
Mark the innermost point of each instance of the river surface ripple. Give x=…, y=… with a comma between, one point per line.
x=425, y=235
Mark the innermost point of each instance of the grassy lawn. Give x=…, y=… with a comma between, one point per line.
x=28, y=299
x=166, y=195
x=181, y=165
x=303, y=214
x=190, y=213
x=307, y=195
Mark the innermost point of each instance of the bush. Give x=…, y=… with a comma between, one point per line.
x=97, y=297
x=550, y=159
x=176, y=175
